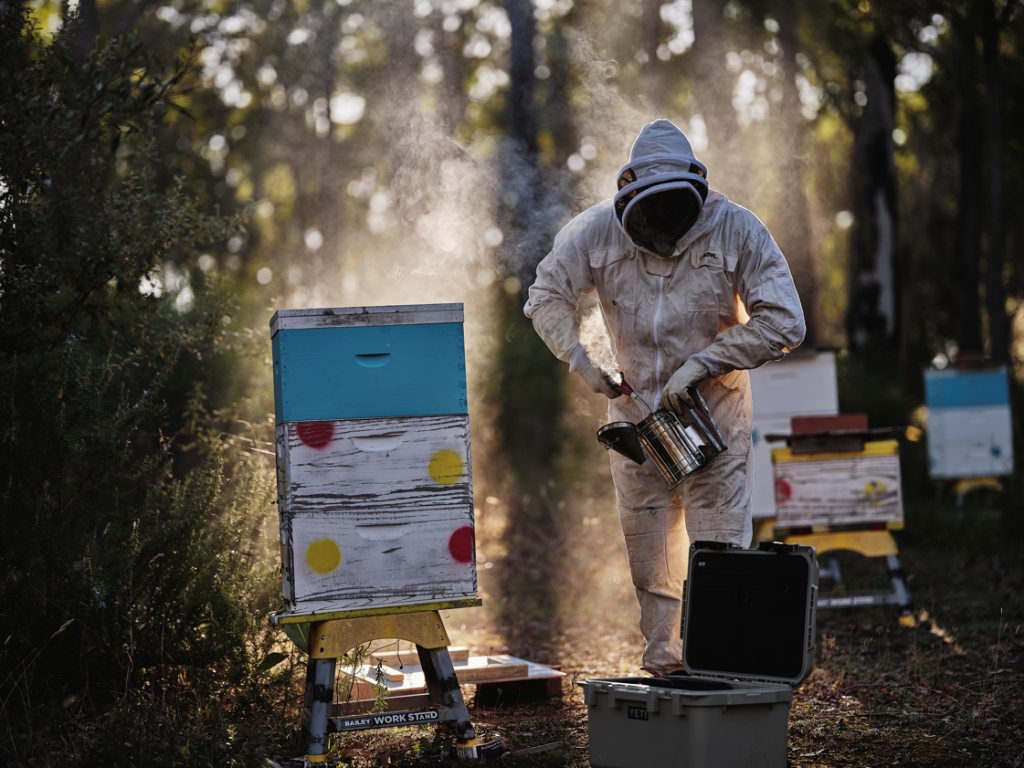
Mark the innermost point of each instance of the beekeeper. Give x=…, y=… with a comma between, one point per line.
x=695, y=292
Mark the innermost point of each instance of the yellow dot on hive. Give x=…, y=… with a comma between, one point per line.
x=446, y=467
x=875, y=493
x=323, y=556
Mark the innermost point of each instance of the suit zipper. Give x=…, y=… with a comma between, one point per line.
x=657, y=343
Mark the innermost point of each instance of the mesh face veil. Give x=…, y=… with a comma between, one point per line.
x=659, y=199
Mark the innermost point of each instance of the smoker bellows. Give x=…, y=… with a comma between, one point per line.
x=373, y=463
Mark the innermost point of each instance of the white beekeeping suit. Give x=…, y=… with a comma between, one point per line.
x=674, y=265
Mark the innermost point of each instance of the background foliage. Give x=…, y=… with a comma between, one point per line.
x=133, y=532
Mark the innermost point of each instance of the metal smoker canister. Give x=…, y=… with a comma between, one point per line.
x=674, y=449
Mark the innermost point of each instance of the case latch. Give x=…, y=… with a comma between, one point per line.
x=775, y=546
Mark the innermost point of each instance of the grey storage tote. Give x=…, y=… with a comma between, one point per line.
x=748, y=640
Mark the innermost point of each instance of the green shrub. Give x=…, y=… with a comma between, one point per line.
x=112, y=558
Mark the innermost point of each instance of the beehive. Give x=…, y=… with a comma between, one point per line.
x=831, y=489
x=801, y=384
x=374, y=477
x=970, y=432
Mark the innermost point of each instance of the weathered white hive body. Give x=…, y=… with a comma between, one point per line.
x=801, y=384
x=374, y=475
x=831, y=489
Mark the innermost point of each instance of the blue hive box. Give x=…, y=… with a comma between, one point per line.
x=970, y=427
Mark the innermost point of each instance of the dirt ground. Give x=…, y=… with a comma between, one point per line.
x=948, y=692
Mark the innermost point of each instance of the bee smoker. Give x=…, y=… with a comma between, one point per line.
x=677, y=450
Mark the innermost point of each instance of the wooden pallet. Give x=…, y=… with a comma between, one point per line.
x=481, y=670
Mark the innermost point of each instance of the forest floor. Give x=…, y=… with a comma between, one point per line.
x=948, y=692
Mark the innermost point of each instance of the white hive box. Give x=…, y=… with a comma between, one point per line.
x=970, y=431
x=829, y=489
x=374, y=475
x=801, y=384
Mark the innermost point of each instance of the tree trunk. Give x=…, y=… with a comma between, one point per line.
x=532, y=380
x=967, y=148
x=88, y=29
x=995, y=225
x=791, y=223
x=452, y=98
x=873, y=318
x=327, y=203
x=522, y=116
x=726, y=157
x=652, y=68
x=558, y=109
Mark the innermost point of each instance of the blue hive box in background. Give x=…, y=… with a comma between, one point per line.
x=374, y=476
x=970, y=431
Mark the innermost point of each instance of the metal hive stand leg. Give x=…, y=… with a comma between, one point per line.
x=329, y=640
x=868, y=544
x=901, y=591
x=319, y=697
x=443, y=686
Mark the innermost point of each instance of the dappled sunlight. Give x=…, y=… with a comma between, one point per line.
x=945, y=635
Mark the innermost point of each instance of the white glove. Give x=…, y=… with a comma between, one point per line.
x=675, y=393
x=599, y=381
x=595, y=371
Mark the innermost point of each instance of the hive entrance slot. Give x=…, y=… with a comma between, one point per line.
x=375, y=360
x=385, y=532
x=378, y=443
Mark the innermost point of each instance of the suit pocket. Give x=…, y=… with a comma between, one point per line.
x=710, y=281
x=655, y=544
x=615, y=276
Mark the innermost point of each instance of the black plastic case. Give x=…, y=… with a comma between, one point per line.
x=750, y=614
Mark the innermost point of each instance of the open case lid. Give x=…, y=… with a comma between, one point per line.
x=749, y=614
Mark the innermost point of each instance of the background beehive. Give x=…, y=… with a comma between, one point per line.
x=374, y=475
x=970, y=432
x=803, y=383
x=839, y=488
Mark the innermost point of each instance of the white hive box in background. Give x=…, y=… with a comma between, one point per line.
x=831, y=489
x=970, y=431
x=374, y=476
x=801, y=384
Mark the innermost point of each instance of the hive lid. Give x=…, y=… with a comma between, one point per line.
x=343, y=317
x=750, y=614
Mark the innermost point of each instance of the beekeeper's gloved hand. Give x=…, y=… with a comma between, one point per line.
x=676, y=390
x=593, y=370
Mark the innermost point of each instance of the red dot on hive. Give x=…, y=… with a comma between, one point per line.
x=783, y=490
x=462, y=545
x=315, y=434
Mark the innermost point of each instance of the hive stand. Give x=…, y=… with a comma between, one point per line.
x=443, y=703
x=830, y=521
x=869, y=543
